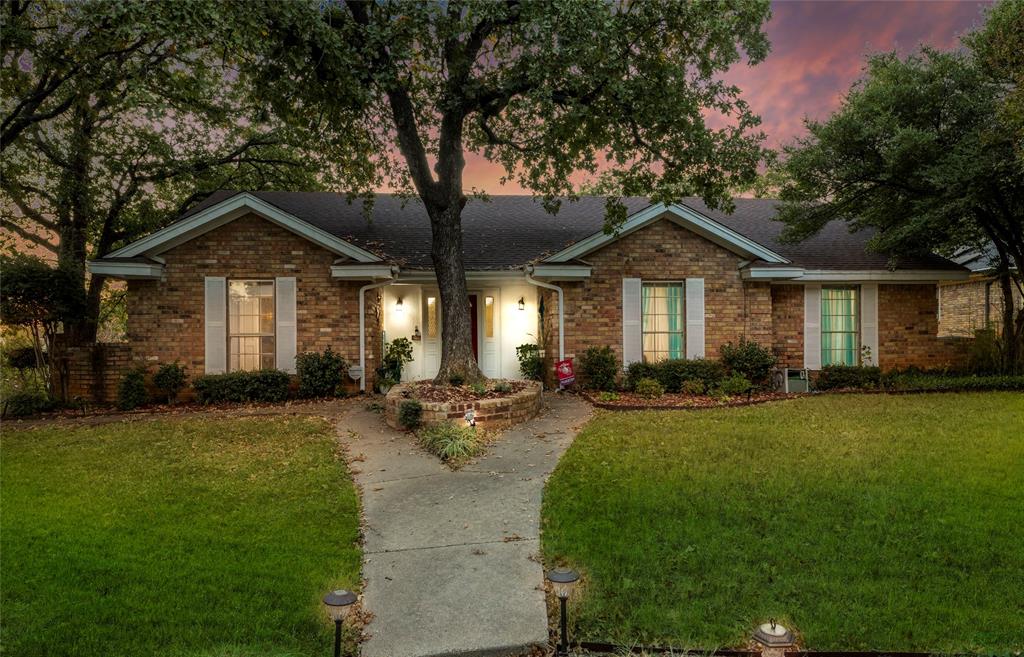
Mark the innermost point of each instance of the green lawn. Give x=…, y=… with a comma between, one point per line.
x=192, y=537
x=865, y=522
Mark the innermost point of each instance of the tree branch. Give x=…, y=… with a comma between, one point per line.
x=28, y=235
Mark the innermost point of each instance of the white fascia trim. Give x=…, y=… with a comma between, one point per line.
x=126, y=270
x=905, y=276
x=562, y=272
x=771, y=273
x=228, y=210
x=683, y=215
x=428, y=276
x=363, y=271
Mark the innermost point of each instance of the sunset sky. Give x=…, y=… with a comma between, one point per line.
x=818, y=50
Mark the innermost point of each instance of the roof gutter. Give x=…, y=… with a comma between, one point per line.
x=362, y=323
x=529, y=269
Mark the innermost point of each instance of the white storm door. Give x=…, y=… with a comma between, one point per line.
x=431, y=332
x=490, y=331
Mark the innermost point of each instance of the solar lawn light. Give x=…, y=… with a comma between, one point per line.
x=338, y=605
x=563, y=580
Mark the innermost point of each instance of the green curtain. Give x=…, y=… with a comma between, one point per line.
x=675, y=336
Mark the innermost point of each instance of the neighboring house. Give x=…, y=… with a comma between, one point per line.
x=248, y=280
x=974, y=304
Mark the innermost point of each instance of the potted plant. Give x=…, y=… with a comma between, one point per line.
x=397, y=353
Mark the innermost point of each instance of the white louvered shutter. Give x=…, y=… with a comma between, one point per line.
x=632, y=334
x=695, y=318
x=812, y=327
x=284, y=308
x=215, y=320
x=869, y=320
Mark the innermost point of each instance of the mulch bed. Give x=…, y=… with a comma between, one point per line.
x=428, y=392
x=630, y=401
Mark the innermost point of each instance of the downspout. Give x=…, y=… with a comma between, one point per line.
x=561, y=308
x=362, y=323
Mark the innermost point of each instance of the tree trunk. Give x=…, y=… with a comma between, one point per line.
x=1012, y=325
x=456, y=339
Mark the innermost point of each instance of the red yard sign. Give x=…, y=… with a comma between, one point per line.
x=563, y=369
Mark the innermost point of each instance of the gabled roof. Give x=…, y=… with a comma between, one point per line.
x=508, y=232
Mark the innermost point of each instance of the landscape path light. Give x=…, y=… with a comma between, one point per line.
x=563, y=580
x=338, y=604
x=773, y=635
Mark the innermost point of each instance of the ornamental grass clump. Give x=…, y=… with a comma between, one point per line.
x=450, y=442
x=649, y=388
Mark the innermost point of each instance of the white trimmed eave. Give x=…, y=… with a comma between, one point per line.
x=799, y=275
x=363, y=271
x=682, y=215
x=560, y=272
x=126, y=270
x=227, y=211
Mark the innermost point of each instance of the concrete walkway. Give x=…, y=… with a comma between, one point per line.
x=451, y=558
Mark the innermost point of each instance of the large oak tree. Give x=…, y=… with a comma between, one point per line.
x=626, y=92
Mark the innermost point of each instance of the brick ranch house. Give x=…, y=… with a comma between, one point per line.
x=976, y=303
x=248, y=280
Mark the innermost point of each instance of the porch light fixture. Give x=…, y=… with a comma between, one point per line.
x=338, y=605
x=773, y=635
x=563, y=580
x=398, y=305
x=522, y=303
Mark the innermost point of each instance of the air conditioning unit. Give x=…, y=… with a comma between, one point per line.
x=796, y=380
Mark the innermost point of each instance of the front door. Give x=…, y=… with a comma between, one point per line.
x=474, y=325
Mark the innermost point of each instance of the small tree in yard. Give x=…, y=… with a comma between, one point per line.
x=922, y=152
x=617, y=91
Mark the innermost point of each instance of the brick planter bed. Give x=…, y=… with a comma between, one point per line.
x=491, y=412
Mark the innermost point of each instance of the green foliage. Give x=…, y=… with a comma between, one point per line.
x=410, y=414
x=693, y=387
x=984, y=355
x=34, y=293
x=255, y=386
x=320, y=374
x=839, y=377
x=131, y=391
x=857, y=485
x=911, y=381
x=449, y=441
x=23, y=358
x=672, y=374
x=749, y=359
x=24, y=403
x=504, y=387
x=169, y=379
x=531, y=363
x=478, y=389
x=397, y=353
x=649, y=388
x=734, y=385
x=172, y=506
x=598, y=368
x=608, y=396
x=456, y=379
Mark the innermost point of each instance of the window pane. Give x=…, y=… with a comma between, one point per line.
x=488, y=317
x=840, y=326
x=431, y=317
x=662, y=320
x=251, y=326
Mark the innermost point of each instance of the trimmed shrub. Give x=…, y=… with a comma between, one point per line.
x=131, y=392
x=478, y=389
x=694, y=387
x=598, y=368
x=638, y=371
x=749, y=359
x=320, y=374
x=449, y=441
x=170, y=379
x=735, y=385
x=26, y=402
x=673, y=373
x=908, y=381
x=649, y=388
x=531, y=364
x=410, y=414
x=256, y=386
x=838, y=377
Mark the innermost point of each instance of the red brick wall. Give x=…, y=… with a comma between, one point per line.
x=908, y=329
x=662, y=251
x=165, y=318
x=92, y=373
x=788, y=324
x=967, y=308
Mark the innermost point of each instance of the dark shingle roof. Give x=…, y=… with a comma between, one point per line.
x=509, y=231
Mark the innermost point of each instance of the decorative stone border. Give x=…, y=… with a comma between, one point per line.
x=494, y=413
